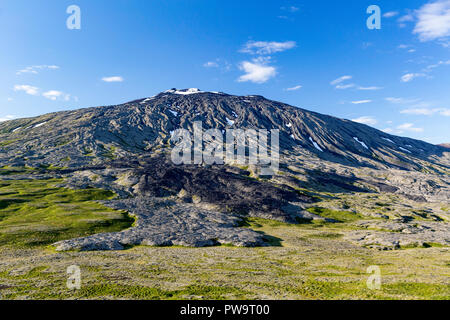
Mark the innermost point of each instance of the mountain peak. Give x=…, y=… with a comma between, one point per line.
x=184, y=91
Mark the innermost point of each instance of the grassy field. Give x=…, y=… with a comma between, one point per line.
x=306, y=261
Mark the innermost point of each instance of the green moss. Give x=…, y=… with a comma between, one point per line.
x=423, y=290
x=37, y=213
x=5, y=143
x=114, y=290
x=327, y=235
x=312, y=288
x=6, y=170
x=340, y=216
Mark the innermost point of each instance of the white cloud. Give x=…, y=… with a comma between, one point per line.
x=436, y=65
x=55, y=94
x=294, y=88
x=361, y=101
x=433, y=21
x=266, y=47
x=36, y=69
x=406, y=18
x=27, y=89
x=10, y=99
x=371, y=121
x=345, y=86
x=211, y=64
x=112, y=79
x=411, y=76
x=50, y=94
x=7, y=118
x=370, y=88
x=409, y=127
x=401, y=100
x=256, y=71
x=426, y=111
x=341, y=79
x=290, y=9
x=388, y=130
x=418, y=111
x=390, y=14
x=338, y=83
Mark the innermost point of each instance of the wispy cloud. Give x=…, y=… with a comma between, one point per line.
x=339, y=83
x=345, y=86
x=390, y=14
x=288, y=12
x=267, y=47
x=361, y=101
x=56, y=95
x=372, y=88
x=409, y=127
x=211, y=64
x=371, y=121
x=33, y=91
x=340, y=80
x=433, y=21
x=7, y=118
x=401, y=100
x=112, y=79
x=256, y=71
x=290, y=9
x=406, y=18
x=411, y=76
x=431, y=67
x=294, y=88
x=36, y=69
x=50, y=94
x=418, y=107
x=426, y=111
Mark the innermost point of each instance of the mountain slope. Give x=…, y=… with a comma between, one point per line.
x=93, y=135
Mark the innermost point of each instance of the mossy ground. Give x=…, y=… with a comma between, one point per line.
x=304, y=261
x=38, y=213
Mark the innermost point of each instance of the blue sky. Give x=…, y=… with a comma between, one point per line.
x=318, y=55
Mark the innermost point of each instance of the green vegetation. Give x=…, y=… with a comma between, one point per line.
x=108, y=152
x=6, y=170
x=38, y=213
x=313, y=263
x=309, y=260
x=339, y=216
x=123, y=291
x=5, y=143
